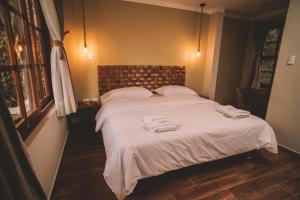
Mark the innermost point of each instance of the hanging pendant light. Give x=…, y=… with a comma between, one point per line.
x=198, y=53
x=85, y=49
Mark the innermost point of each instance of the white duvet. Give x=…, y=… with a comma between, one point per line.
x=134, y=153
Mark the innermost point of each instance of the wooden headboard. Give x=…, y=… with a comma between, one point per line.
x=151, y=77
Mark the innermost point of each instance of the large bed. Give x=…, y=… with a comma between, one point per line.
x=205, y=135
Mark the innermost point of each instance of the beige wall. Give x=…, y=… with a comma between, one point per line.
x=284, y=105
x=232, y=53
x=120, y=32
x=46, y=144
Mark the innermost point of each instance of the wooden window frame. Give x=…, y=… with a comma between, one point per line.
x=30, y=120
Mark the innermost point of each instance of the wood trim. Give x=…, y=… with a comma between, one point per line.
x=29, y=126
x=288, y=150
x=151, y=77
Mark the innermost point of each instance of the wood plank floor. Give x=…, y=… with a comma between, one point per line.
x=263, y=176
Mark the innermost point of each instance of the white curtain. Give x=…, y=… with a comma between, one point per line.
x=61, y=81
x=260, y=33
x=257, y=73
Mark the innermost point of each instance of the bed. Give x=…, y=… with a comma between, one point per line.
x=134, y=153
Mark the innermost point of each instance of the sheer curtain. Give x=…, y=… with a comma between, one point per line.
x=260, y=34
x=61, y=80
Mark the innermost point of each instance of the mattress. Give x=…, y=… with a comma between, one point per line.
x=204, y=135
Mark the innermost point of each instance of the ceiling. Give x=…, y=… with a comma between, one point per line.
x=250, y=8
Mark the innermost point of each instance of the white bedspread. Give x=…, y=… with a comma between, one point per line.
x=134, y=153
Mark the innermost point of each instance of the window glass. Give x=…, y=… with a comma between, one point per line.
x=39, y=49
x=269, y=49
x=273, y=35
x=8, y=89
x=270, y=54
x=4, y=53
x=15, y=3
x=24, y=79
x=44, y=81
x=20, y=44
x=32, y=12
x=39, y=60
x=268, y=65
x=266, y=78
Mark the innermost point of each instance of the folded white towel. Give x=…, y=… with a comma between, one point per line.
x=153, y=118
x=165, y=128
x=232, y=112
x=158, y=124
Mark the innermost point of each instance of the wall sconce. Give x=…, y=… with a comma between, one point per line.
x=198, y=53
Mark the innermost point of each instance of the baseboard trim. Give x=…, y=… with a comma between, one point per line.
x=288, y=149
x=57, y=168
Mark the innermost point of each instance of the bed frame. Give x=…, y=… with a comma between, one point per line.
x=151, y=77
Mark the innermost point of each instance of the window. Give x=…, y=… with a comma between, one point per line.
x=270, y=54
x=24, y=67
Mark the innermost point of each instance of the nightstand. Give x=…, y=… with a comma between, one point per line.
x=85, y=116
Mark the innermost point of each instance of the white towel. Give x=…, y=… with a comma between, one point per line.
x=150, y=119
x=158, y=124
x=232, y=112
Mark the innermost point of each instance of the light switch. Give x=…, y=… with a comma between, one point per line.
x=291, y=60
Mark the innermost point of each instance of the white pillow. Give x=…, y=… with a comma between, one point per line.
x=174, y=90
x=127, y=92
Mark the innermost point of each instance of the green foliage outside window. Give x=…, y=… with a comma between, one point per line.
x=273, y=35
x=269, y=56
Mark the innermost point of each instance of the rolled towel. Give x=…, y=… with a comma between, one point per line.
x=232, y=112
x=158, y=124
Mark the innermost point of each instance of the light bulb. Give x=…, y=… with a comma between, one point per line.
x=85, y=49
x=198, y=53
x=90, y=56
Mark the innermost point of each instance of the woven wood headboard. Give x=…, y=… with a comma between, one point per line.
x=151, y=77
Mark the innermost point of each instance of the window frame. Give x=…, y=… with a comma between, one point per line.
x=42, y=104
x=278, y=24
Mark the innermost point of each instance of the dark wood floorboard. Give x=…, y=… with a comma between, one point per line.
x=263, y=176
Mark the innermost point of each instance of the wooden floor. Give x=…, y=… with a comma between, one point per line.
x=263, y=176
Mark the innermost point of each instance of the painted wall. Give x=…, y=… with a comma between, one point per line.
x=232, y=54
x=284, y=105
x=46, y=144
x=120, y=32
